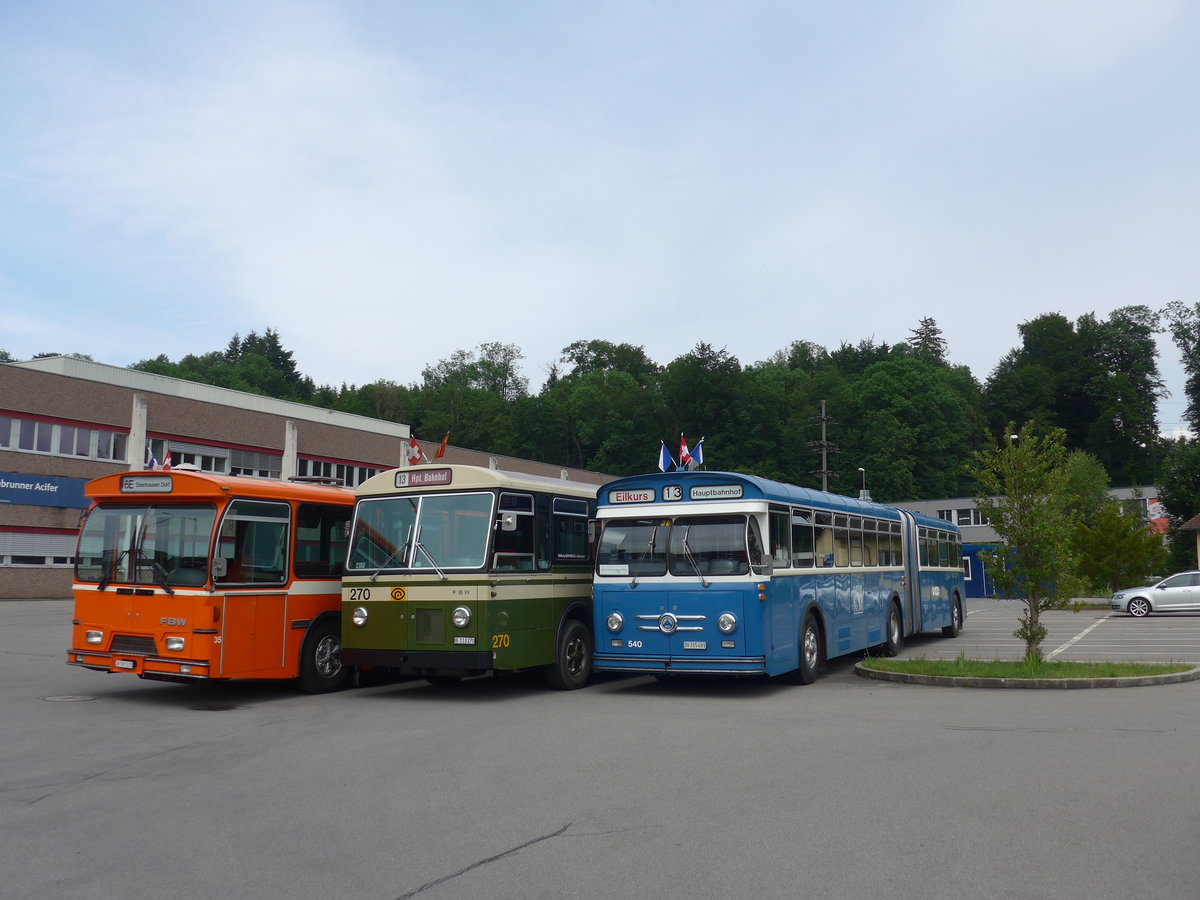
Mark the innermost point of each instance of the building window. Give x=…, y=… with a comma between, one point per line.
x=24, y=548
x=350, y=476
x=55, y=439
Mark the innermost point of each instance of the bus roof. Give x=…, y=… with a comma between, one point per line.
x=185, y=485
x=454, y=477
x=755, y=487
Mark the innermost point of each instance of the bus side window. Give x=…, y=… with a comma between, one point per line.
x=780, y=537
x=321, y=540
x=802, y=539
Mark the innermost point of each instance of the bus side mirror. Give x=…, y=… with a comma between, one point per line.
x=220, y=567
x=508, y=521
x=766, y=565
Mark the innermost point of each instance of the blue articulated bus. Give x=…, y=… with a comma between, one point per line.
x=722, y=573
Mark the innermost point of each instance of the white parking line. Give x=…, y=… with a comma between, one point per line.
x=1053, y=653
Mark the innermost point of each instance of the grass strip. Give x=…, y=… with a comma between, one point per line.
x=961, y=667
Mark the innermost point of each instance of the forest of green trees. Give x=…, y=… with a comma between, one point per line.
x=901, y=412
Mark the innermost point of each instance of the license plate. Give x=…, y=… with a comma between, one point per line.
x=695, y=645
x=125, y=664
x=465, y=640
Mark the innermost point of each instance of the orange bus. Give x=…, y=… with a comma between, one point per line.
x=187, y=576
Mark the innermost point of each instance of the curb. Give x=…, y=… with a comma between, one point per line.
x=864, y=671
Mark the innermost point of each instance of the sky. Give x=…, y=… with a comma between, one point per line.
x=386, y=182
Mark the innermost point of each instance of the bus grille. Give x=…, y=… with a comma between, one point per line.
x=430, y=626
x=136, y=644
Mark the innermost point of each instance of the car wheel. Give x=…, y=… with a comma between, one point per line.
x=321, y=669
x=1139, y=606
x=895, y=632
x=572, y=666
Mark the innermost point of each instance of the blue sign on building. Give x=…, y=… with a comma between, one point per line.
x=42, y=490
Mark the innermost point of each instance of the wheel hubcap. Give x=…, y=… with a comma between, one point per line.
x=811, y=647
x=329, y=657
x=575, y=657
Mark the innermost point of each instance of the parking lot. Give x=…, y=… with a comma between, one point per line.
x=498, y=787
x=1086, y=636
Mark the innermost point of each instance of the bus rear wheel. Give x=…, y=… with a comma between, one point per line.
x=321, y=669
x=955, y=625
x=572, y=666
x=895, y=632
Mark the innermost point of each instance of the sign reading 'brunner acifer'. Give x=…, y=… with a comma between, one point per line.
x=42, y=490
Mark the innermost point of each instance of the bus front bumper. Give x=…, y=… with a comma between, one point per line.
x=146, y=666
x=680, y=665
x=412, y=662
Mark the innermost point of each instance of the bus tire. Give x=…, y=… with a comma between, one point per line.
x=955, y=625
x=812, y=653
x=572, y=666
x=321, y=669
x=894, y=641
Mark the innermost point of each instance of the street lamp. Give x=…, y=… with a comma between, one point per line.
x=864, y=494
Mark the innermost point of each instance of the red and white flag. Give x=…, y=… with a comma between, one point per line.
x=414, y=452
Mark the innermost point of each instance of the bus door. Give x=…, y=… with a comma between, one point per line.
x=255, y=626
x=912, y=573
x=250, y=566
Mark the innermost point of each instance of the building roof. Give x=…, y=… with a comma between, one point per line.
x=88, y=370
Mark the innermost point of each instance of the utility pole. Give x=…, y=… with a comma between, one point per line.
x=825, y=446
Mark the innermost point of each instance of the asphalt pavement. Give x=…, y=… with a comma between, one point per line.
x=111, y=787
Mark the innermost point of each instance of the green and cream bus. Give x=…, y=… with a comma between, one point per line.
x=459, y=570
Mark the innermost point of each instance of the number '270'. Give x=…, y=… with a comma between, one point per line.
x=500, y=641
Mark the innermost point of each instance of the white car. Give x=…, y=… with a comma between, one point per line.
x=1175, y=593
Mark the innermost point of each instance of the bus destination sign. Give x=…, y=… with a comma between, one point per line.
x=423, y=477
x=146, y=484
x=715, y=492
x=640, y=495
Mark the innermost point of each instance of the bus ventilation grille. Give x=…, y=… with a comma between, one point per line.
x=133, y=643
x=430, y=626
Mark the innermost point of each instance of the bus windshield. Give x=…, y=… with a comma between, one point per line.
x=435, y=531
x=146, y=544
x=685, y=546
x=709, y=545
x=633, y=547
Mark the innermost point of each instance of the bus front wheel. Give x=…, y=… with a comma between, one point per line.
x=572, y=666
x=811, y=654
x=321, y=669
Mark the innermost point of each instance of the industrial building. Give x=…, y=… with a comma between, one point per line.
x=65, y=421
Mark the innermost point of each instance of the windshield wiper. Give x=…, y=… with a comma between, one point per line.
x=687, y=554
x=156, y=569
x=429, y=556
x=649, y=549
x=401, y=551
x=111, y=572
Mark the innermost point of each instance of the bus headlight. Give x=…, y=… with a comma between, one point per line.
x=358, y=617
x=461, y=617
x=727, y=623
x=615, y=622
x=94, y=637
x=175, y=643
